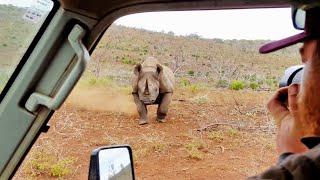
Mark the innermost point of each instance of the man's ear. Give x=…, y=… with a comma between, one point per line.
x=137, y=69
x=159, y=68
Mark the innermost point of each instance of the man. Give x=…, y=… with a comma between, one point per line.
x=296, y=109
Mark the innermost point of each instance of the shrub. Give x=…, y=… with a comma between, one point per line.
x=254, y=85
x=195, y=144
x=232, y=132
x=158, y=147
x=61, y=168
x=126, y=60
x=101, y=81
x=195, y=154
x=217, y=136
x=194, y=36
x=237, y=85
x=191, y=73
x=193, y=149
x=272, y=82
x=222, y=83
x=185, y=82
x=171, y=33
x=89, y=79
x=194, y=88
x=43, y=163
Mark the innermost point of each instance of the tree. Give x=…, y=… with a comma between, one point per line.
x=179, y=60
x=225, y=69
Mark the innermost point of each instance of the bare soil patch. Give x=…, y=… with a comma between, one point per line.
x=224, y=135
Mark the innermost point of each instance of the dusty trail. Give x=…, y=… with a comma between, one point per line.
x=91, y=119
x=100, y=99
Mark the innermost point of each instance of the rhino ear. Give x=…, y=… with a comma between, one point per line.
x=159, y=68
x=137, y=69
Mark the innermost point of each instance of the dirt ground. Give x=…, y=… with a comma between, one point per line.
x=209, y=134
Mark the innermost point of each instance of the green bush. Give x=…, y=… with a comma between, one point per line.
x=222, y=83
x=272, y=82
x=185, y=82
x=191, y=73
x=44, y=163
x=193, y=149
x=91, y=80
x=194, y=88
x=254, y=85
x=237, y=85
x=126, y=60
x=101, y=81
x=61, y=168
x=232, y=132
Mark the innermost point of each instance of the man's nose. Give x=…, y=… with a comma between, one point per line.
x=146, y=93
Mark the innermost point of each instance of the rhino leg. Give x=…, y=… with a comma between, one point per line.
x=142, y=110
x=163, y=107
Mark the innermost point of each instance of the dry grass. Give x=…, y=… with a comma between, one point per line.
x=45, y=161
x=194, y=148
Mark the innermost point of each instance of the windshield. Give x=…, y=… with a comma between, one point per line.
x=20, y=21
x=216, y=127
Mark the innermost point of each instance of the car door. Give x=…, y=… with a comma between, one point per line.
x=49, y=67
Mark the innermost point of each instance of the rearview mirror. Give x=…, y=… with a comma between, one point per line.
x=111, y=163
x=298, y=18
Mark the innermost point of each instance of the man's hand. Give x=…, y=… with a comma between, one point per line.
x=283, y=106
x=295, y=109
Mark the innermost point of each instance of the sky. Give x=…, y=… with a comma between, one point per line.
x=251, y=24
x=115, y=156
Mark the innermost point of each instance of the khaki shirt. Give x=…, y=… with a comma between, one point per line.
x=296, y=166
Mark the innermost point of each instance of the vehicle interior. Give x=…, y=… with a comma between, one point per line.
x=57, y=57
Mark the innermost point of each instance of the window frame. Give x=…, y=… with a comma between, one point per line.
x=34, y=42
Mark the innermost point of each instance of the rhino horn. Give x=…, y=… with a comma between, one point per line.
x=146, y=90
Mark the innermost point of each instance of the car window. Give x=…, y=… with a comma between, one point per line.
x=19, y=24
x=217, y=126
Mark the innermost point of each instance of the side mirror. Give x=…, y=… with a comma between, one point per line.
x=111, y=163
x=298, y=18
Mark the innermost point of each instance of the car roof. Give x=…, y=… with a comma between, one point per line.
x=100, y=8
x=106, y=12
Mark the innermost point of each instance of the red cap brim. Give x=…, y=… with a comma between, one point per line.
x=273, y=46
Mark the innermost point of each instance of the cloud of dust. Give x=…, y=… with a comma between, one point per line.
x=101, y=99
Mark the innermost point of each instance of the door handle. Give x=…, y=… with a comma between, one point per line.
x=36, y=99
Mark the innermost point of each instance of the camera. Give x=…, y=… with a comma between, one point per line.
x=292, y=75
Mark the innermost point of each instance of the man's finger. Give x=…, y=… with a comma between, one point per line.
x=277, y=105
x=278, y=99
x=293, y=91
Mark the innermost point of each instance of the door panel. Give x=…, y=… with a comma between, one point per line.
x=44, y=72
